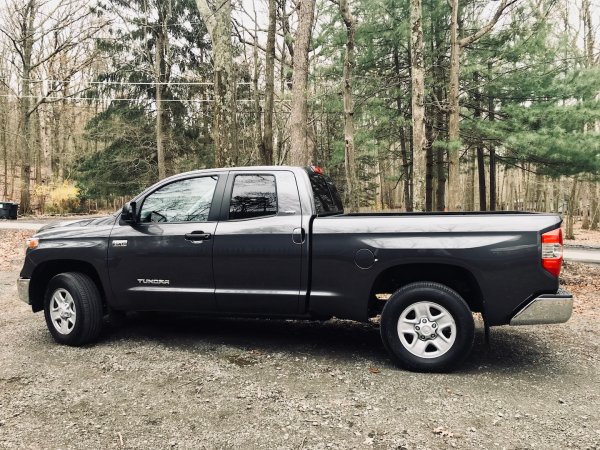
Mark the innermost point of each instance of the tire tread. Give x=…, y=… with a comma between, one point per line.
x=428, y=366
x=90, y=307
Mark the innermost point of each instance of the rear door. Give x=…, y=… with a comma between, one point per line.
x=258, y=247
x=164, y=262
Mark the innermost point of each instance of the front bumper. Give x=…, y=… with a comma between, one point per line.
x=23, y=289
x=546, y=308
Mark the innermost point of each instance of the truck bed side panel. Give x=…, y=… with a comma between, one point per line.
x=502, y=252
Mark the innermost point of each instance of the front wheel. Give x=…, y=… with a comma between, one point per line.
x=73, y=309
x=427, y=327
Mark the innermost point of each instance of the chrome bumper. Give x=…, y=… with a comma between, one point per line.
x=546, y=308
x=23, y=289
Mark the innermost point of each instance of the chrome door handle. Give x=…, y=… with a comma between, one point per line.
x=197, y=236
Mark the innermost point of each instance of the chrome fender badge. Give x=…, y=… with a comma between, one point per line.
x=152, y=281
x=119, y=243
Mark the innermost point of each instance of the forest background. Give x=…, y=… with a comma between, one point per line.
x=409, y=105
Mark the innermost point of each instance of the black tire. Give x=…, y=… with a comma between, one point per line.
x=87, y=306
x=415, y=295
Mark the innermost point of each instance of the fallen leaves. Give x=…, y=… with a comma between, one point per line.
x=12, y=248
x=443, y=431
x=374, y=370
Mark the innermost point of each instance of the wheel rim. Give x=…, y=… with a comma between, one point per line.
x=62, y=311
x=426, y=329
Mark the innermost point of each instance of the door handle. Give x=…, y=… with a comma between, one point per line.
x=197, y=236
x=298, y=235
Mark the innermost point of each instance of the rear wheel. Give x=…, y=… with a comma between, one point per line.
x=427, y=327
x=73, y=309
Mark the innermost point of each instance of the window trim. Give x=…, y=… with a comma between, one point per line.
x=211, y=212
x=228, y=192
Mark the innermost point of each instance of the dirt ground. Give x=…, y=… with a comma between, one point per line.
x=186, y=382
x=585, y=238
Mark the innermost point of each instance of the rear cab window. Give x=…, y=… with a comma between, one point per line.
x=326, y=195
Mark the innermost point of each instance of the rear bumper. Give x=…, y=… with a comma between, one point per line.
x=546, y=308
x=23, y=289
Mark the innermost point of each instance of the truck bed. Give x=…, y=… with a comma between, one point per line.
x=500, y=250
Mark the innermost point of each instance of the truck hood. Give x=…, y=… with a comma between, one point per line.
x=68, y=225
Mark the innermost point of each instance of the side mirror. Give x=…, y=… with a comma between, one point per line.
x=129, y=213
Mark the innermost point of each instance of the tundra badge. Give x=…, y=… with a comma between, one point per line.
x=119, y=243
x=152, y=281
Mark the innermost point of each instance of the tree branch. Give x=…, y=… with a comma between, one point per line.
x=487, y=27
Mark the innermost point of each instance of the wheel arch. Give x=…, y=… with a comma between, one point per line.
x=44, y=272
x=458, y=278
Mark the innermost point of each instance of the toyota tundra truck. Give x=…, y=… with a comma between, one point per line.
x=275, y=243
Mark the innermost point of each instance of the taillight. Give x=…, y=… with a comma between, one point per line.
x=552, y=251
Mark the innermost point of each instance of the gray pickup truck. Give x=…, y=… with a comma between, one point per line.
x=274, y=242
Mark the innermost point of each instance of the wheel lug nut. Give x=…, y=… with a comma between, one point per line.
x=432, y=336
x=433, y=325
x=424, y=320
x=417, y=327
x=422, y=338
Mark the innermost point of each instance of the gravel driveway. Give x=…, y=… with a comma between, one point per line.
x=186, y=382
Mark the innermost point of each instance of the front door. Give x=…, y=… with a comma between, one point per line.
x=258, y=249
x=164, y=262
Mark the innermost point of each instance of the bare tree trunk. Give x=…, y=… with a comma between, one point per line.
x=4, y=125
x=267, y=141
x=37, y=153
x=160, y=149
x=590, y=214
x=571, y=210
x=454, y=191
x=406, y=175
x=491, y=116
x=25, y=143
x=587, y=219
x=469, y=192
x=300, y=151
x=352, y=191
x=481, y=174
x=225, y=137
x=595, y=208
x=588, y=33
x=258, y=132
x=480, y=151
x=417, y=105
x=161, y=69
x=429, y=171
x=441, y=170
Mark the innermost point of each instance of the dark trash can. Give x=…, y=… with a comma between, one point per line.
x=8, y=210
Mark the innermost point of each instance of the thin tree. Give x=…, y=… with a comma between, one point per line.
x=352, y=191
x=417, y=104
x=477, y=97
x=267, y=138
x=300, y=151
x=491, y=118
x=161, y=50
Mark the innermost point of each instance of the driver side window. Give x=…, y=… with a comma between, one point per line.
x=186, y=200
